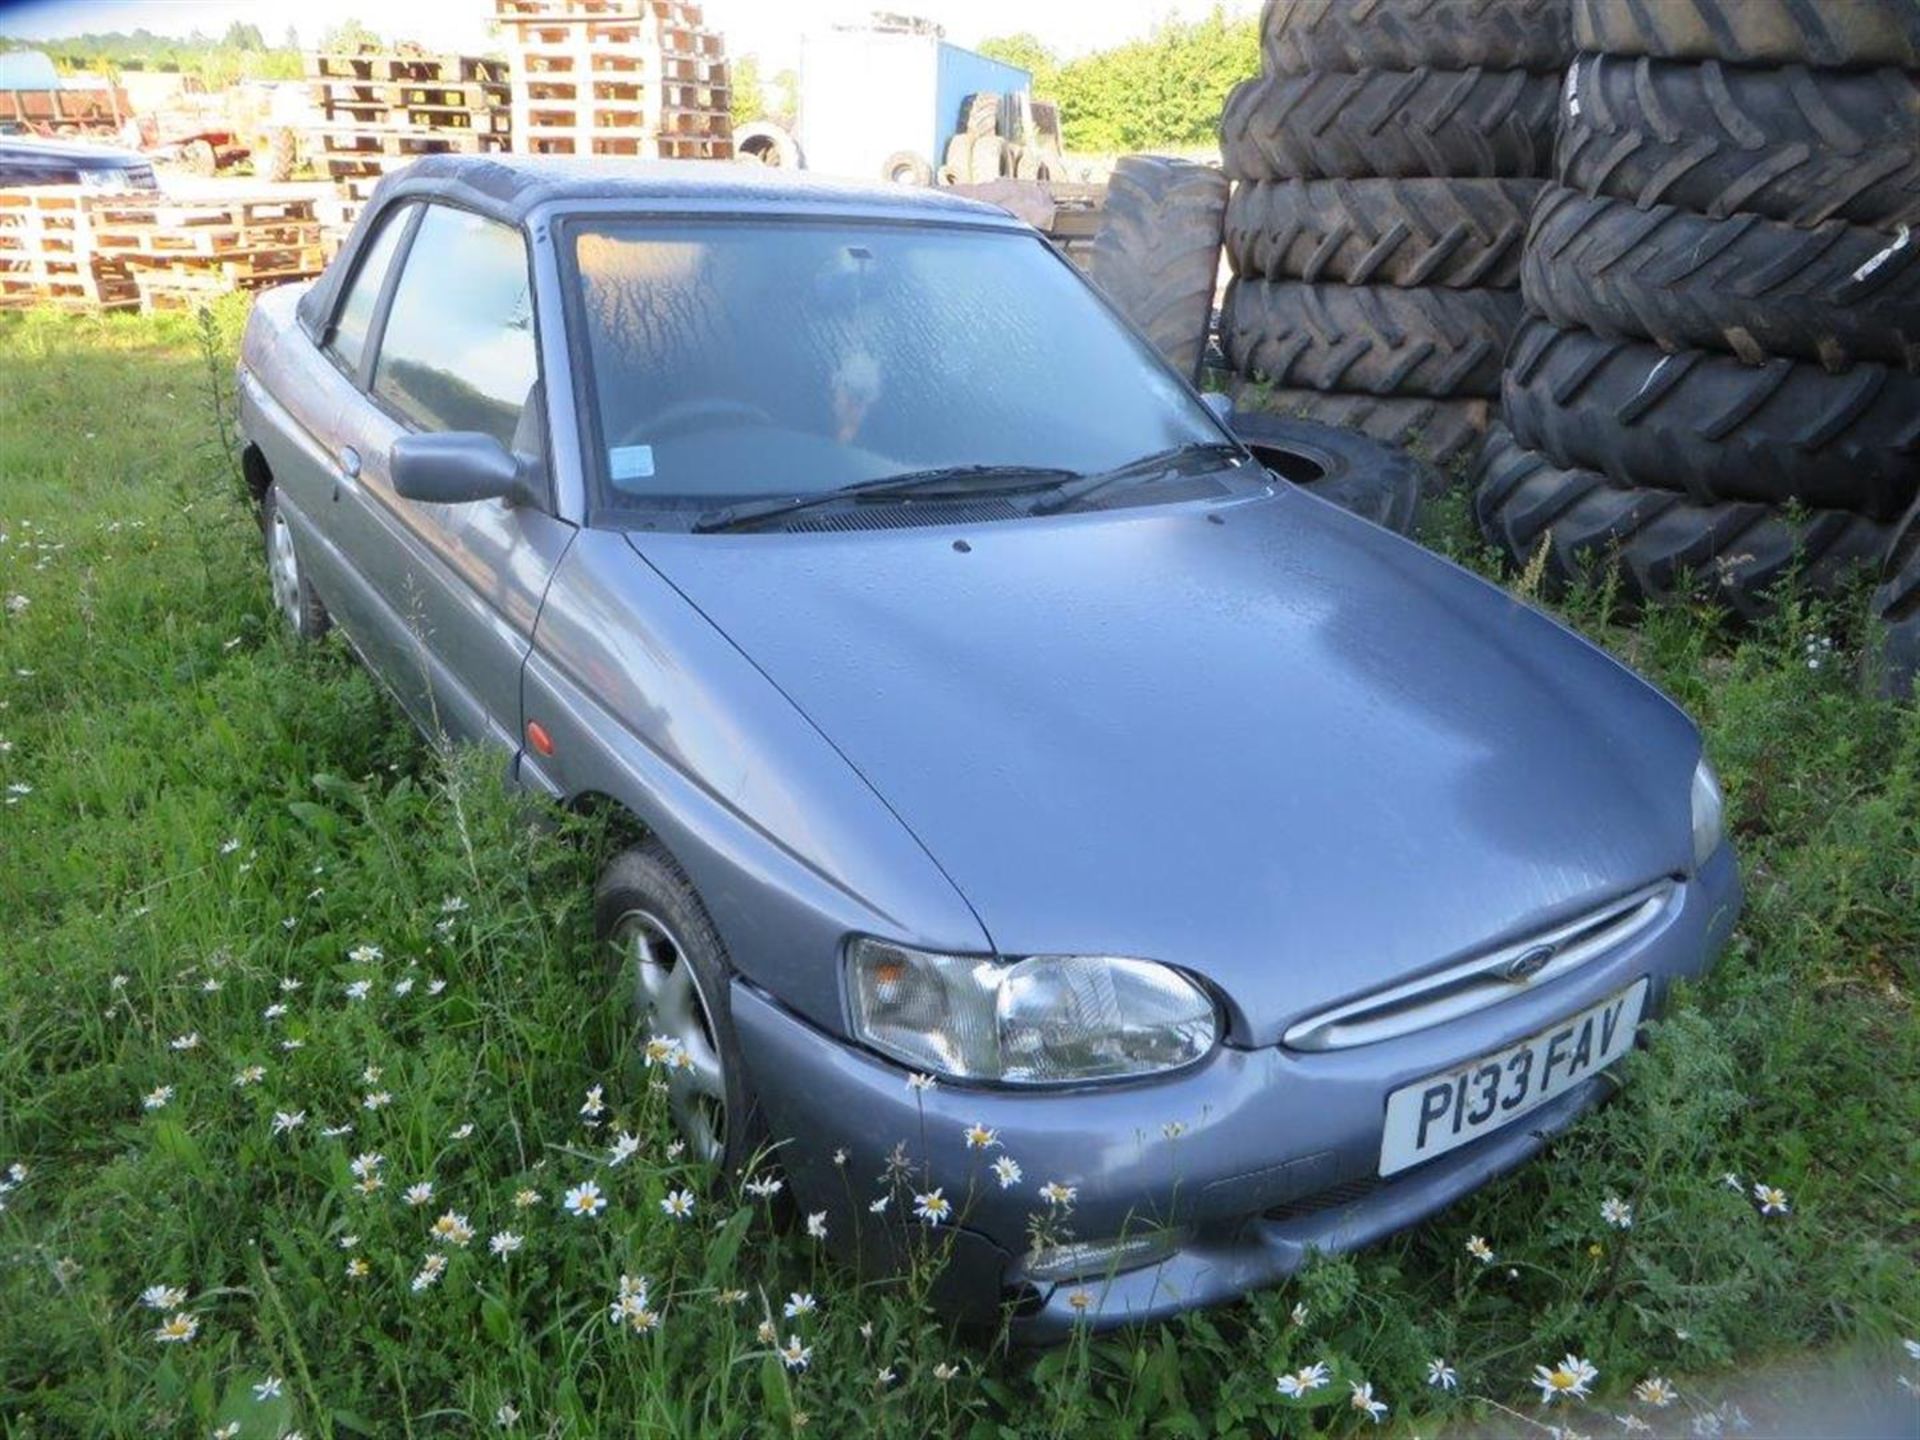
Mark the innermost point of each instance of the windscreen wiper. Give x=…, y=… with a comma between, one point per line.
x=943, y=480
x=1147, y=465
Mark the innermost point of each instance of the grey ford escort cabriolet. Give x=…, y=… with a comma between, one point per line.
x=1212, y=857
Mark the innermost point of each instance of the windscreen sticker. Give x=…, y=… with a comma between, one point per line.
x=630, y=462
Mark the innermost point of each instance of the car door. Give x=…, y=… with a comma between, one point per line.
x=320, y=388
x=457, y=587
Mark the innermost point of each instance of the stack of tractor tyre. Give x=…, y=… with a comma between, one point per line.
x=1385, y=161
x=1717, y=381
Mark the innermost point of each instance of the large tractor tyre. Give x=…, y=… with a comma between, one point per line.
x=1456, y=233
x=1441, y=431
x=1659, y=544
x=959, y=159
x=1390, y=123
x=1371, y=339
x=1789, y=143
x=282, y=155
x=905, y=167
x=1753, y=32
x=986, y=158
x=1713, y=427
x=1377, y=482
x=981, y=114
x=1157, y=253
x=1835, y=292
x=1302, y=35
x=1893, y=664
x=761, y=142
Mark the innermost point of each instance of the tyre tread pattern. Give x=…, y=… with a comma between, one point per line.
x=1441, y=431
x=1833, y=292
x=1449, y=232
x=1661, y=545
x=1754, y=32
x=1714, y=428
x=1378, y=482
x=1303, y=35
x=1157, y=253
x=1788, y=143
x=1390, y=123
x=1374, y=339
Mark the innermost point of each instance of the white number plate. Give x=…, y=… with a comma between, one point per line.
x=1447, y=1110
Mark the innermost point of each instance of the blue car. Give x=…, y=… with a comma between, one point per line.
x=1062, y=833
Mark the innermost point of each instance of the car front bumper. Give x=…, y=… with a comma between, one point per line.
x=1259, y=1155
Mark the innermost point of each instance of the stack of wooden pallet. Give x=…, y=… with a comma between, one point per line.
x=47, y=256
x=382, y=109
x=86, y=249
x=182, y=252
x=617, y=77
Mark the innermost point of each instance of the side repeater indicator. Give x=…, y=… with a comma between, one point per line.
x=538, y=738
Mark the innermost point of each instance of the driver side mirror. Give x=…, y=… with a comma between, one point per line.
x=455, y=467
x=1220, y=404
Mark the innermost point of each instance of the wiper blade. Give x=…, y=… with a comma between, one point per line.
x=1157, y=463
x=943, y=480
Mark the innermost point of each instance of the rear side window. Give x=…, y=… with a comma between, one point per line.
x=458, y=351
x=349, y=339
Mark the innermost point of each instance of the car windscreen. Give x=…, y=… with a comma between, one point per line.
x=738, y=360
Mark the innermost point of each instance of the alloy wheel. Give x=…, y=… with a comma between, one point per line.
x=669, y=1003
x=283, y=568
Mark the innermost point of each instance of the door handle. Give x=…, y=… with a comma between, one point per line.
x=350, y=462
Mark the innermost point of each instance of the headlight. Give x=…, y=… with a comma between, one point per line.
x=1051, y=1019
x=1709, y=813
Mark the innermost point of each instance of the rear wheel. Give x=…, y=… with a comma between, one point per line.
x=674, y=978
x=293, y=597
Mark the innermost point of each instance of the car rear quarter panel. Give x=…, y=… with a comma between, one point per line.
x=649, y=706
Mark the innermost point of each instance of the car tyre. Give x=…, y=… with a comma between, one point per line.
x=1301, y=35
x=293, y=594
x=1157, y=253
x=1754, y=32
x=1377, y=482
x=1440, y=431
x=673, y=976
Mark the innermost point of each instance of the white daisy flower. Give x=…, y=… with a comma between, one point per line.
x=943, y=1372
x=506, y=1417
x=376, y=1099
x=1442, y=1376
x=504, y=1243
x=1006, y=1170
x=595, y=1103
x=269, y=1388
x=1569, y=1379
x=879, y=1207
x=799, y=1304
x=1362, y=1399
x=250, y=1075
x=463, y=1132
x=817, y=1224
x=188, y=1041
x=430, y=1272
x=678, y=1204
x=585, y=1200
x=357, y=989
x=932, y=1207
x=368, y=1162
x=177, y=1329
x=920, y=1083
x=980, y=1137
x=794, y=1355
x=285, y=1121
x=273, y=1011
x=229, y=845
x=1617, y=1212
x=156, y=1098
x=764, y=1187
x=1771, y=1199
x=364, y=954
x=1302, y=1382
x=1656, y=1392
x=1054, y=1193
x=453, y=1229
x=525, y=1199
x=163, y=1297
x=1479, y=1250
x=419, y=1194
x=625, y=1147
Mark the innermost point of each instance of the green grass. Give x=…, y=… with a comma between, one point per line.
x=211, y=805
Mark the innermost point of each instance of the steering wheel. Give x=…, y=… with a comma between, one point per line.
x=692, y=414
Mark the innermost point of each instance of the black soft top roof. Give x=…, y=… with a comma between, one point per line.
x=509, y=188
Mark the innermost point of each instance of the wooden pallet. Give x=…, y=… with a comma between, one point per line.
x=401, y=65
x=402, y=141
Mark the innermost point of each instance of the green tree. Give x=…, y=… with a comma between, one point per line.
x=241, y=36
x=1165, y=90
x=749, y=100
x=346, y=37
x=1026, y=51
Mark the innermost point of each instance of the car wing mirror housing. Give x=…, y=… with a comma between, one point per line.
x=456, y=467
x=1221, y=405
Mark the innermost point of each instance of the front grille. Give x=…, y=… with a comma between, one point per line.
x=1487, y=979
x=1347, y=1192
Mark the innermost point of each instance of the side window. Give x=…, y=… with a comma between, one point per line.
x=349, y=338
x=458, y=351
